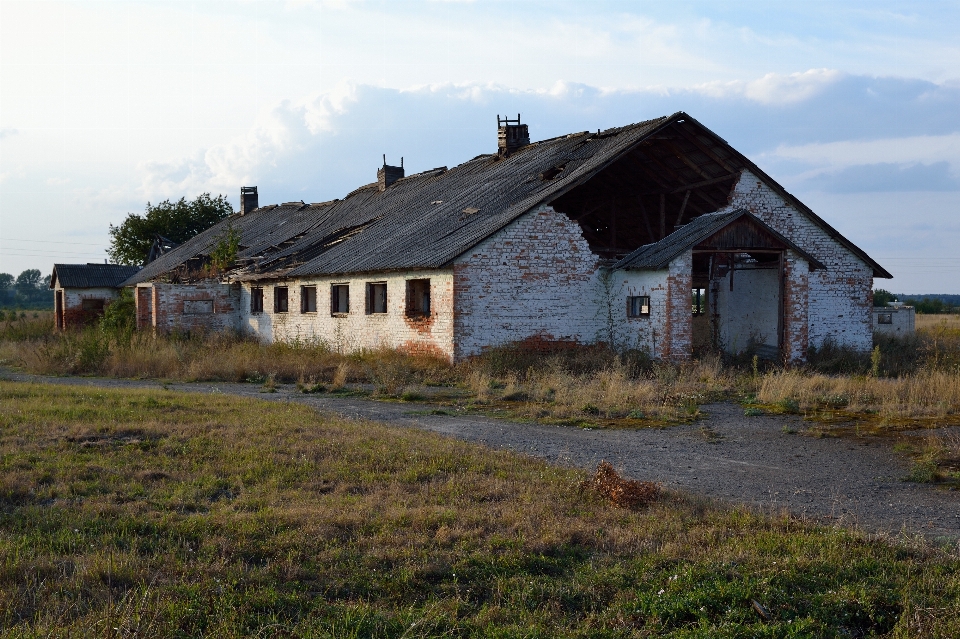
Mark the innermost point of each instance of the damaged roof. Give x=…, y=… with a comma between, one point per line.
x=658, y=256
x=91, y=275
x=426, y=220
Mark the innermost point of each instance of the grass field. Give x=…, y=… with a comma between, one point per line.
x=157, y=514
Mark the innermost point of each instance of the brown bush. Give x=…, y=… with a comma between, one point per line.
x=623, y=493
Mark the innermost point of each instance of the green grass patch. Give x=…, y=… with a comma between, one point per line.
x=163, y=514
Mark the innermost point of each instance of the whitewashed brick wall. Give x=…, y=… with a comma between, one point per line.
x=536, y=278
x=840, y=297
x=358, y=330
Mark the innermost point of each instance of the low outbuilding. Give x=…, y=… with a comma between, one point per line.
x=82, y=291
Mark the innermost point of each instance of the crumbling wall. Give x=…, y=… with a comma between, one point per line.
x=839, y=298
x=536, y=278
x=74, y=315
x=357, y=329
x=649, y=332
x=204, y=306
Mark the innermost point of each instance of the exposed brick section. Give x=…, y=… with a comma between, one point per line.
x=536, y=277
x=795, y=307
x=839, y=298
x=678, y=342
x=207, y=306
x=357, y=329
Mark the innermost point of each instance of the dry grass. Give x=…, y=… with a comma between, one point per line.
x=159, y=514
x=931, y=395
x=932, y=321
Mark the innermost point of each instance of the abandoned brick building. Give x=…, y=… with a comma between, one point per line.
x=657, y=235
x=82, y=291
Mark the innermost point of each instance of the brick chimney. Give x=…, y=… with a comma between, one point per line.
x=389, y=174
x=248, y=199
x=511, y=135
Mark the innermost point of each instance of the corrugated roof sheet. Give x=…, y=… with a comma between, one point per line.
x=658, y=256
x=422, y=221
x=402, y=228
x=91, y=275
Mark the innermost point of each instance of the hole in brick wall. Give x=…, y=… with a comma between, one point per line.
x=638, y=306
x=418, y=298
x=280, y=301
x=256, y=299
x=339, y=299
x=376, y=297
x=308, y=299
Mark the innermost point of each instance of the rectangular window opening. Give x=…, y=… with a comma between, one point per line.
x=638, y=306
x=376, y=297
x=884, y=318
x=418, y=298
x=280, y=299
x=699, y=301
x=308, y=299
x=339, y=299
x=92, y=305
x=256, y=299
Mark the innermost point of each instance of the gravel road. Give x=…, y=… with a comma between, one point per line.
x=737, y=459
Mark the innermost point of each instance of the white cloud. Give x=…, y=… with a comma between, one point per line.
x=926, y=149
x=773, y=88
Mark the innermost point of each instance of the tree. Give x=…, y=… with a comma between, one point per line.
x=6, y=281
x=29, y=280
x=881, y=297
x=179, y=221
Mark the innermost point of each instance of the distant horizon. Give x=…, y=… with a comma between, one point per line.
x=853, y=108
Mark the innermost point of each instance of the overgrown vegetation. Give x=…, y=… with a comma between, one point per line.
x=158, y=514
x=903, y=383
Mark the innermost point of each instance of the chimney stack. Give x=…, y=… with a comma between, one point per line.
x=389, y=174
x=248, y=199
x=511, y=135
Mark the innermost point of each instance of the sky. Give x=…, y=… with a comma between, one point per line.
x=105, y=106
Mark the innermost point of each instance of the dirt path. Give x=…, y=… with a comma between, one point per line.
x=749, y=460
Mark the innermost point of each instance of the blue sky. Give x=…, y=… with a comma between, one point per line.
x=853, y=106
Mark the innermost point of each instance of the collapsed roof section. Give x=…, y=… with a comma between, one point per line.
x=626, y=187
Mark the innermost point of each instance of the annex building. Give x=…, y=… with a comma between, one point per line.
x=658, y=236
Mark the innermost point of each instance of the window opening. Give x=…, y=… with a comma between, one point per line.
x=256, y=299
x=376, y=297
x=92, y=305
x=308, y=299
x=418, y=298
x=638, y=306
x=885, y=318
x=339, y=299
x=280, y=299
x=699, y=301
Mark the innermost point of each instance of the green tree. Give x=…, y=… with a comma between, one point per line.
x=29, y=281
x=881, y=297
x=6, y=281
x=225, y=250
x=130, y=242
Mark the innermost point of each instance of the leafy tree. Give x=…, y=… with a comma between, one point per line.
x=6, y=281
x=928, y=305
x=226, y=248
x=130, y=242
x=881, y=297
x=28, y=281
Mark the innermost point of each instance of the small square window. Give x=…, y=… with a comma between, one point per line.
x=376, y=297
x=339, y=299
x=308, y=299
x=418, y=298
x=256, y=299
x=280, y=299
x=638, y=306
x=884, y=318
